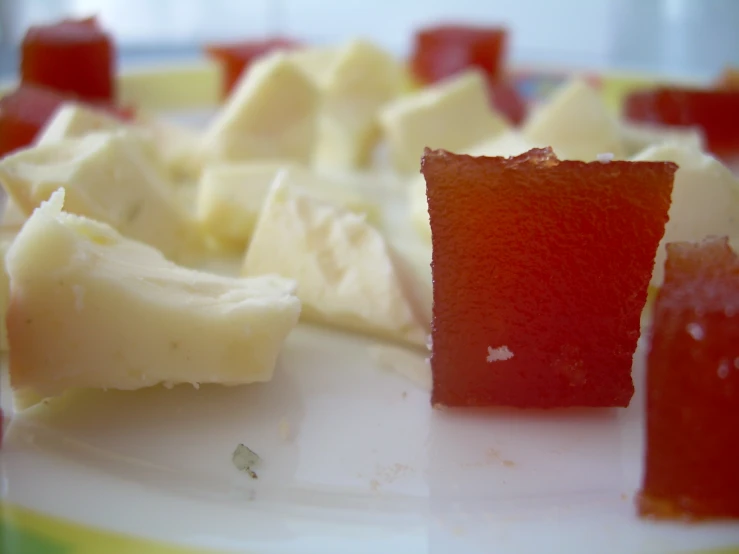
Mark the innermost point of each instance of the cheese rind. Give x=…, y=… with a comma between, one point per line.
x=108, y=178
x=230, y=196
x=348, y=276
x=271, y=114
x=452, y=115
x=576, y=123
x=92, y=309
x=705, y=198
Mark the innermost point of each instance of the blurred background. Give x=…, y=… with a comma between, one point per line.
x=692, y=39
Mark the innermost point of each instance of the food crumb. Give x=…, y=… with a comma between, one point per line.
x=624, y=496
x=375, y=485
x=509, y=463
x=500, y=354
x=244, y=458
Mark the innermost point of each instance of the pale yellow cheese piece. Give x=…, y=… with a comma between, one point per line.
x=316, y=62
x=362, y=78
x=576, y=123
x=177, y=146
x=92, y=309
x=454, y=115
x=230, y=196
x=638, y=136
x=270, y=114
x=348, y=275
x=13, y=217
x=72, y=120
x=108, y=178
x=4, y=294
x=705, y=198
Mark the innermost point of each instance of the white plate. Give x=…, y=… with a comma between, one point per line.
x=353, y=460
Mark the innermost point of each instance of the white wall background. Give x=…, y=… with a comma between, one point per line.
x=686, y=37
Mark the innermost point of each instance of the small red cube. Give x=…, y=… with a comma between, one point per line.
x=442, y=51
x=540, y=271
x=692, y=449
x=715, y=112
x=236, y=57
x=73, y=56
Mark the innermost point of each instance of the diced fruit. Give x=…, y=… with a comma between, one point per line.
x=575, y=122
x=692, y=452
x=361, y=79
x=272, y=114
x=237, y=57
x=132, y=197
x=91, y=309
x=73, y=57
x=540, y=271
x=716, y=112
x=348, y=275
x=231, y=196
x=442, y=51
x=453, y=114
x=27, y=109
x=705, y=198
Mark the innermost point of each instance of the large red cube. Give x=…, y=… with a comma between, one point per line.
x=692, y=449
x=540, y=271
x=73, y=57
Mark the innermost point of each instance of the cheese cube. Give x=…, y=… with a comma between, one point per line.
x=271, y=114
x=348, y=276
x=74, y=120
x=92, y=309
x=108, y=178
x=362, y=79
x=453, y=115
x=230, y=196
x=316, y=62
x=705, y=198
x=576, y=123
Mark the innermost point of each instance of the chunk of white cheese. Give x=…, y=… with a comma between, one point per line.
x=4, y=294
x=72, y=120
x=92, y=309
x=638, y=136
x=362, y=78
x=316, y=62
x=454, y=115
x=348, y=276
x=576, y=123
x=705, y=198
x=230, y=196
x=271, y=114
x=107, y=178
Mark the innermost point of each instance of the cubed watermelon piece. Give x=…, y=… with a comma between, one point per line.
x=72, y=56
x=540, y=273
x=236, y=57
x=692, y=439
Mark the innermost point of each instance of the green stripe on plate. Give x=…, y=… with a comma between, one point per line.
x=24, y=531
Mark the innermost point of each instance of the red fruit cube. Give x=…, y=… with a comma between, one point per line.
x=443, y=51
x=73, y=56
x=26, y=110
x=236, y=57
x=540, y=271
x=692, y=449
x=507, y=100
x=716, y=112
